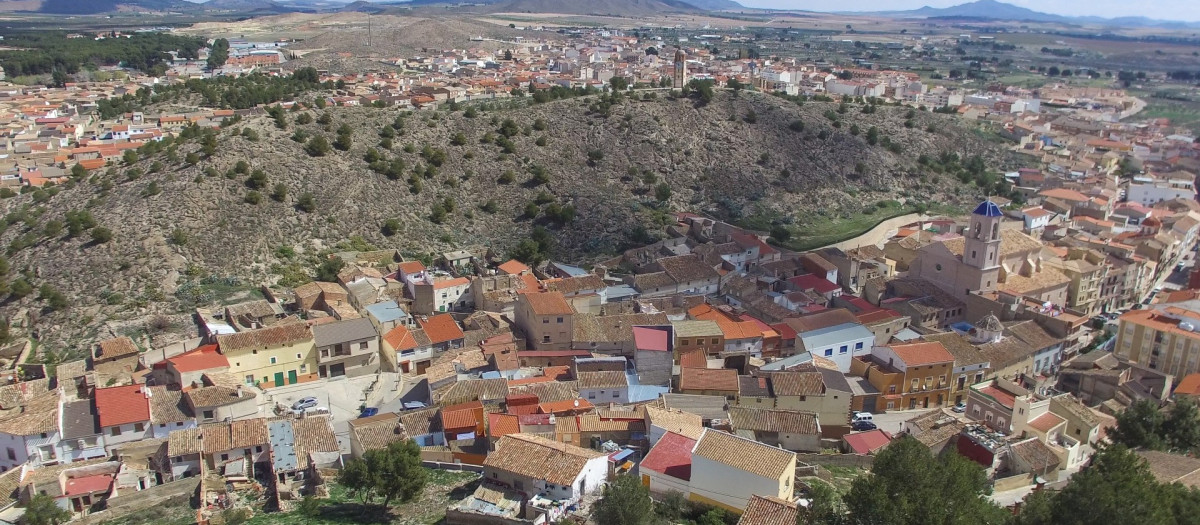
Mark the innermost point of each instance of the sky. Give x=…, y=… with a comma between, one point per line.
x=1182, y=10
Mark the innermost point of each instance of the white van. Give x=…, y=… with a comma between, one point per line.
x=862, y=416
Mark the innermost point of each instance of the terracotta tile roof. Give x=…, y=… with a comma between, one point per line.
x=215, y=438
x=597, y=380
x=566, y=405
x=576, y=284
x=502, y=425
x=216, y=396
x=116, y=347
x=672, y=456
x=458, y=419
x=1006, y=399
x=693, y=359
x=278, y=335
x=718, y=379
x=549, y=392
x=687, y=268
x=920, y=354
x=203, y=358
x=313, y=434
x=248, y=433
x=1190, y=385
x=539, y=458
x=1046, y=421
x=472, y=390
x=675, y=420
x=557, y=373
x=121, y=405
x=1171, y=468
x=547, y=303
x=744, y=454
x=513, y=267
x=769, y=510
x=867, y=442
x=1036, y=454
x=168, y=406
x=37, y=416
x=797, y=383
x=441, y=328
x=421, y=422
x=400, y=338
x=765, y=420
x=378, y=431
x=595, y=423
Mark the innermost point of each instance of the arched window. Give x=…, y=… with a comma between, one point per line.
x=977, y=228
x=995, y=231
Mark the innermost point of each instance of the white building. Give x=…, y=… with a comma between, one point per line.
x=546, y=469
x=728, y=470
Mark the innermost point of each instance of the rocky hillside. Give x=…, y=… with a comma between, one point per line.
x=185, y=234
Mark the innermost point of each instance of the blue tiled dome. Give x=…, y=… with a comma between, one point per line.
x=987, y=209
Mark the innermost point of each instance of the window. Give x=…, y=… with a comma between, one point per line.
x=591, y=395
x=362, y=345
x=559, y=321
x=298, y=356
x=224, y=457
x=914, y=384
x=973, y=255
x=616, y=394
x=683, y=342
x=303, y=368
x=44, y=435
x=859, y=345
x=937, y=267
x=546, y=321
x=843, y=349
x=12, y=454
x=828, y=352
x=139, y=427
x=208, y=414
x=258, y=449
x=162, y=425
x=272, y=360
x=116, y=431
x=249, y=379
x=545, y=339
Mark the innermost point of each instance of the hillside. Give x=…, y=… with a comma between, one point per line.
x=182, y=232
x=88, y=7
x=595, y=7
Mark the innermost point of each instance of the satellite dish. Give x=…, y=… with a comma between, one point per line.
x=576, y=403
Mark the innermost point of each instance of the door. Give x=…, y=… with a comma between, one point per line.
x=291, y=377
x=278, y=378
x=337, y=370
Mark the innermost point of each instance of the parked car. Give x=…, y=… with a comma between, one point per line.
x=368, y=412
x=862, y=426
x=304, y=402
x=862, y=416
x=960, y=407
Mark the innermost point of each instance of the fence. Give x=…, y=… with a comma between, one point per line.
x=837, y=460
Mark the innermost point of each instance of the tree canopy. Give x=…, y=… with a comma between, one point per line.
x=626, y=501
x=393, y=473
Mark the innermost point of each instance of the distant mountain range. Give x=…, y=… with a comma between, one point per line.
x=994, y=10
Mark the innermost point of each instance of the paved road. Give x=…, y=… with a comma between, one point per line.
x=880, y=233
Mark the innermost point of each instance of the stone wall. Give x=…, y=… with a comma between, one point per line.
x=836, y=460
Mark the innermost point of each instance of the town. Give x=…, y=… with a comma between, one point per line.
x=712, y=364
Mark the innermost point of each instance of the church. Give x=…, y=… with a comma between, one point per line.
x=989, y=257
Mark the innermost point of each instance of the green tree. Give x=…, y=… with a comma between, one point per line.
x=872, y=135
x=1139, y=426
x=1117, y=487
x=625, y=501
x=252, y=197
x=317, y=146
x=908, y=486
x=257, y=180
x=52, y=228
x=218, y=53
x=279, y=194
x=328, y=270
x=459, y=139
x=53, y=298
x=390, y=227
x=618, y=83
x=78, y=171
x=662, y=192
x=827, y=507
x=101, y=235
x=306, y=203
x=130, y=157
x=20, y=288
x=394, y=473
x=43, y=510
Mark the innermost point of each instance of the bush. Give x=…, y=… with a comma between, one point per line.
x=318, y=146
x=306, y=203
x=20, y=288
x=279, y=193
x=390, y=227
x=489, y=206
x=797, y=126
x=178, y=237
x=101, y=235
x=253, y=197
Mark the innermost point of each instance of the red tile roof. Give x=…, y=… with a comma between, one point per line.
x=548, y=303
x=121, y=405
x=719, y=379
x=88, y=484
x=400, y=338
x=441, y=328
x=1046, y=421
x=502, y=425
x=566, y=405
x=1006, y=399
x=1190, y=385
x=917, y=354
x=813, y=282
x=867, y=442
x=672, y=456
x=203, y=358
x=411, y=267
x=693, y=359
x=513, y=267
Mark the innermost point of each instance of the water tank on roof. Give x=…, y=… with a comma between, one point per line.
x=1184, y=325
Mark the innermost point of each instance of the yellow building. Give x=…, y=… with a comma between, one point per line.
x=280, y=355
x=1165, y=340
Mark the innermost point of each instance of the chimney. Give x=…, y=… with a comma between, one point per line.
x=240, y=391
